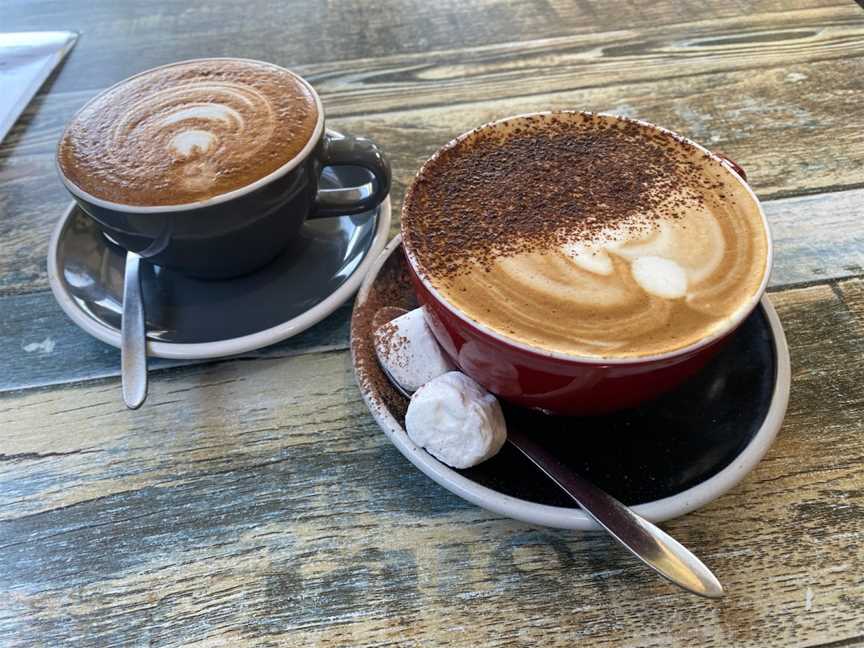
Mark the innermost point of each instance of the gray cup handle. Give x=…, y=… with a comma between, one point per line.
x=339, y=150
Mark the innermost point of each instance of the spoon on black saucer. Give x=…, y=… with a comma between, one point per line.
x=133, y=337
x=646, y=541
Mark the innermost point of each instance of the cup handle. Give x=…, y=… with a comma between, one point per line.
x=343, y=150
x=737, y=168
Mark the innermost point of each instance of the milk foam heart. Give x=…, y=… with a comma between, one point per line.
x=660, y=277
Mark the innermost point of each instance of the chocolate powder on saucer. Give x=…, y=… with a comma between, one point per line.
x=392, y=287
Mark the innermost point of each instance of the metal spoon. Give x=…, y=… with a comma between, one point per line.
x=649, y=543
x=133, y=337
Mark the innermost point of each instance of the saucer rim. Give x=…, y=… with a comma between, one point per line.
x=667, y=508
x=229, y=346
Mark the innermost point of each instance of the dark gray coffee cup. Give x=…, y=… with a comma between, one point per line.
x=239, y=231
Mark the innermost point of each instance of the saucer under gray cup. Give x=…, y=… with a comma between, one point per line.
x=189, y=318
x=221, y=236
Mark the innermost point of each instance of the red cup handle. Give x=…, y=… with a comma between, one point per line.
x=732, y=163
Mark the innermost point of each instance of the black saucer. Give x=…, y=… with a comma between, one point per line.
x=658, y=449
x=666, y=457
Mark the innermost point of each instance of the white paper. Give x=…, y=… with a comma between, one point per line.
x=26, y=60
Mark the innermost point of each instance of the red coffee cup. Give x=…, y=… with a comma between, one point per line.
x=558, y=382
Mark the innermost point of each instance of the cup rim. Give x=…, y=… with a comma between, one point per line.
x=729, y=326
x=288, y=166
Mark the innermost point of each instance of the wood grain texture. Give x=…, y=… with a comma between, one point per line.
x=401, y=80
x=584, y=61
x=253, y=501
x=298, y=32
x=258, y=502
x=816, y=237
x=782, y=100
x=40, y=346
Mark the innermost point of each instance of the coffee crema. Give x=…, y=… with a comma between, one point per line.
x=188, y=132
x=590, y=235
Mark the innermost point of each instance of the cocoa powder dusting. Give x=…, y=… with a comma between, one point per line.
x=393, y=345
x=542, y=181
x=392, y=288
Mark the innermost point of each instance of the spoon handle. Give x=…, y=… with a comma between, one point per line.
x=646, y=541
x=133, y=337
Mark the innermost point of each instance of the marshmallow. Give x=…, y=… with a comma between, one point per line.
x=409, y=351
x=456, y=421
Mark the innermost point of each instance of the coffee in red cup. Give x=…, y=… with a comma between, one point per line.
x=581, y=263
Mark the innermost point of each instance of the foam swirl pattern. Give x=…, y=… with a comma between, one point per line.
x=188, y=132
x=628, y=291
x=587, y=234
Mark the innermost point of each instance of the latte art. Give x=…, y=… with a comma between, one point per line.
x=237, y=121
x=587, y=235
x=188, y=132
x=623, y=293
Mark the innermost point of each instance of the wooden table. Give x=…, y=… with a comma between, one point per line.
x=253, y=501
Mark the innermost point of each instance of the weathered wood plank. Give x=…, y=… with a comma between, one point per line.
x=261, y=503
x=119, y=39
x=257, y=503
x=579, y=61
x=40, y=346
x=852, y=293
x=815, y=237
x=584, y=61
x=794, y=128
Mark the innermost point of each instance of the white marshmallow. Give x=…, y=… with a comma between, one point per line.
x=409, y=351
x=661, y=277
x=456, y=421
